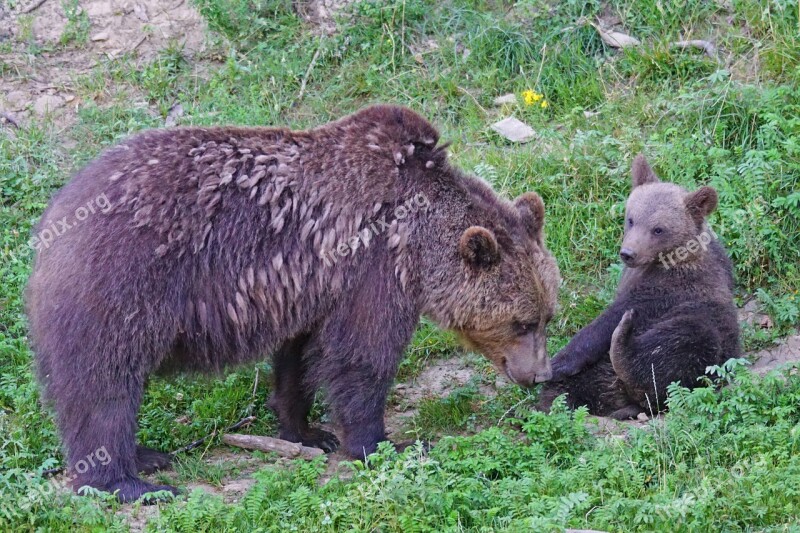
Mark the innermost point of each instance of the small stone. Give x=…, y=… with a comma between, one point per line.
x=141, y=12
x=238, y=486
x=47, y=103
x=514, y=130
x=590, y=114
x=102, y=36
x=751, y=315
x=175, y=112
x=98, y=9
x=616, y=39
x=69, y=98
x=17, y=100
x=509, y=98
x=642, y=417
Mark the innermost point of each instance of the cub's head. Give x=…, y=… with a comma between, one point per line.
x=509, y=291
x=663, y=220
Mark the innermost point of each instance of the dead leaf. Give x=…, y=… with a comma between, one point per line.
x=616, y=39
x=706, y=46
x=509, y=98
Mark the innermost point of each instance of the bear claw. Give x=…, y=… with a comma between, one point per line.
x=319, y=438
x=131, y=490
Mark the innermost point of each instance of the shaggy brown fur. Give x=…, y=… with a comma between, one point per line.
x=673, y=315
x=216, y=250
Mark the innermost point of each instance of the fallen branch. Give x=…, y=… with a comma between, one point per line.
x=463, y=90
x=33, y=7
x=142, y=39
x=268, y=444
x=192, y=445
x=308, y=73
x=8, y=118
x=707, y=47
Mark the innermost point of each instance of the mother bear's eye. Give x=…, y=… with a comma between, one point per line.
x=658, y=231
x=630, y=222
x=523, y=328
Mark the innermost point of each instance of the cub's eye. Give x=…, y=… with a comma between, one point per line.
x=630, y=222
x=658, y=231
x=523, y=328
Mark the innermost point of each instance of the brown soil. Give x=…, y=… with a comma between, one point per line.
x=40, y=69
x=321, y=13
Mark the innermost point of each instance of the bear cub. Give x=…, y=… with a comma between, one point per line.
x=673, y=314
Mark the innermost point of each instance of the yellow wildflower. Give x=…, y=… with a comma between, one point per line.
x=544, y=104
x=531, y=97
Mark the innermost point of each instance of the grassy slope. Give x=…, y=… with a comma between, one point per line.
x=723, y=461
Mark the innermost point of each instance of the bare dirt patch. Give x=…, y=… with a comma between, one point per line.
x=49, y=46
x=784, y=352
x=436, y=380
x=787, y=351
x=321, y=13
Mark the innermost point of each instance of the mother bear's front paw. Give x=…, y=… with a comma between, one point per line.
x=313, y=438
x=563, y=369
x=319, y=438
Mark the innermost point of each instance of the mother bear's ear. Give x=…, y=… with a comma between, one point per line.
x=531, y=211
x=641, y=173
x=478, y=248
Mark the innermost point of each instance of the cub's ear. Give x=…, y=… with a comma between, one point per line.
x=478, y=247
x=701, y=203
x=531, y=211
x=641, y=173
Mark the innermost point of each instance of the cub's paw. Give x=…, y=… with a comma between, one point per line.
x=628, y=412
x=319, y=438
x=149, y=460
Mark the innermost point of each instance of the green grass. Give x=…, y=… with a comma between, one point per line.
x=723, y=460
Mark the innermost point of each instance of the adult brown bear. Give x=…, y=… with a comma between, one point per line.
x=322, y=248
x=673, y=314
